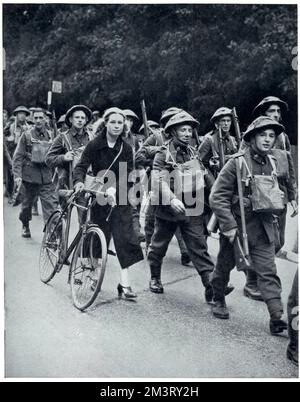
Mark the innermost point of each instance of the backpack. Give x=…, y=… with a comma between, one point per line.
x=39, y=148
x=266, y=195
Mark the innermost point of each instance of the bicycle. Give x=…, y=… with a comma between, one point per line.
x=88, y=264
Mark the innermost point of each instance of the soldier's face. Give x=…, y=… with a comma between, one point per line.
x=274, y=112
x=78, y=119
x=115, y=124
x=39, y=119
x=184, y=133
x=21, y=117
x=225, y=124
x=265, y=140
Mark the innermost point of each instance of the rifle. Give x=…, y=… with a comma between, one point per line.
x=211, y=226
x=222, y=154
x=241, y=252
x=236, y=125
x=145, y=121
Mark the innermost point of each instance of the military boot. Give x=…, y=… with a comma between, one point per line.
x=220, y=310
x=209, y=292
x=156, y=286
x=251, y=288
x=277, y=326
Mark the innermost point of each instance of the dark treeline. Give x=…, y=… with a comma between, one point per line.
x=198, y=57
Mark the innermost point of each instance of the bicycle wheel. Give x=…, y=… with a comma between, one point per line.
x=88, y=267
x=52, y=244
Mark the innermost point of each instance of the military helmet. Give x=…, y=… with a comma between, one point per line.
x=266, y=102
x=73, y=109
x=21, y=109
x=181, y=118
x=112, y=110
x=96, y=112
x=130, y=113
x=150, y=123
x=260, y=123
x=167, y=114
x=221, y=112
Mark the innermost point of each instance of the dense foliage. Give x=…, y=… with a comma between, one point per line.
x=199, y=57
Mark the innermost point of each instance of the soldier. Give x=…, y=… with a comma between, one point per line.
x=171, y=212
x=14, y=130
x=273, y=107
x=67, y=148
x=104, y=154
x=135, y=142
x=145, y=157
x=209, y=149
x=255, y=162
x=30, y=169
x=7, y=163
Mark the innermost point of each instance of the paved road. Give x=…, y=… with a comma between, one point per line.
x=160, y=336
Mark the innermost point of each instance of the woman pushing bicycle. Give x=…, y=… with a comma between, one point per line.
x=111, y=161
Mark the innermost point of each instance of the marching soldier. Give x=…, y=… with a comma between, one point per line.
x=135, y=142
x=67, y=147
x=13, y=132
x=174, y=210
x=30, y=169
x=145, y=157
x=210, y=148
x=274, y=107
x=256, y=164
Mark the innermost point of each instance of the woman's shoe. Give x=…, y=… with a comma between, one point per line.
x=127, y=292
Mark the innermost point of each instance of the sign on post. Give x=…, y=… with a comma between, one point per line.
x=57, y=87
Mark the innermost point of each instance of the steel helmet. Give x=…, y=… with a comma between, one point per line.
x=21, y=109
x=221, y=112
x=74, y=108
x=262, y=122
x=266, y=102
x=181, y=118
x=167, y=114
x=150, y=123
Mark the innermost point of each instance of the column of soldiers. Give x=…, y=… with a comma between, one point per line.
x=40, y=159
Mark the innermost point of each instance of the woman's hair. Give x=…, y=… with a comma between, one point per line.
x=124, y=128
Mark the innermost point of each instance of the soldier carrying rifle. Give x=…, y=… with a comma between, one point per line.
x=255, y=170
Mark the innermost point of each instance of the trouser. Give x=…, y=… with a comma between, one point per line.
x=292, y=310
x=193, y=234
x=282, y=226
x=149, y=230
x=9, y=180
x=262, y=255
x=48, y=198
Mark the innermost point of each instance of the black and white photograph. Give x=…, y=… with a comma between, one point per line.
x=150, y=193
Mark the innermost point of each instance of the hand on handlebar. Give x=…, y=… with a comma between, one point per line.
x=111, y=196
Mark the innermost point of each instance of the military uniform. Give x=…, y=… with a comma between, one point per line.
x=36, y=177
x=167, y=221
x=261, y=230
